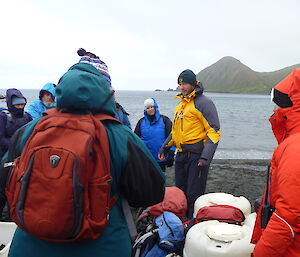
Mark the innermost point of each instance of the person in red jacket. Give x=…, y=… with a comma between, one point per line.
x=277, y=227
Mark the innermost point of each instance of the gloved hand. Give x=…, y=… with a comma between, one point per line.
x=170, y=160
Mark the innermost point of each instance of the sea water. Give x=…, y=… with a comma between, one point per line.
x=246, y=132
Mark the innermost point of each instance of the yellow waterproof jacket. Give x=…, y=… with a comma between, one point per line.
x=196, y=126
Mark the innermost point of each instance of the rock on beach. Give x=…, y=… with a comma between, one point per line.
x=239, y=177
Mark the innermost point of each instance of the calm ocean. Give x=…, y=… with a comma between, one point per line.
x=246, y=132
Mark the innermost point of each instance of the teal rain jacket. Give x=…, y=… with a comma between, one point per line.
x=135, y=173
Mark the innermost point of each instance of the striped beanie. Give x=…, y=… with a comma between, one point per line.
x=94, y=60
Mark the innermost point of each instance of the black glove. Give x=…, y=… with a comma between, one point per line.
x=170, y=160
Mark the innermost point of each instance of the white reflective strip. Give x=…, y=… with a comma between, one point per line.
x=293, y=234
x=272, y=94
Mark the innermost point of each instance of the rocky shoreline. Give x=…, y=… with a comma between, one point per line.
x=240, y=177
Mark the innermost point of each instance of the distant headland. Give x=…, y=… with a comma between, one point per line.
x=229, y=75
x=170, y=89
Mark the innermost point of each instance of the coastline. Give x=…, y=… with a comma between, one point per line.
x=239, y=177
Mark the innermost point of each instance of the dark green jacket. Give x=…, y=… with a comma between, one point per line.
x=135, y=173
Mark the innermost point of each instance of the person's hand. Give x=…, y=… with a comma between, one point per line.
x=161, y=156
x=202, y=162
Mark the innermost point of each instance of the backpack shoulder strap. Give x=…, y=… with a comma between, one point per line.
x=129, y=219
x=125, y=206
x=51, y=111
x=102, y=117
x=188, y=224
x=164, y=118
x=146, y=241
x=137, y=129
x=168, y=125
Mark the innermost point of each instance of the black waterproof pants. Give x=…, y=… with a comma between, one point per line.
x=190, y=177
x=162, y=165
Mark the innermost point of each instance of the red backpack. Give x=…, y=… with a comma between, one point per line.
x=59, y=188
x=174, y=201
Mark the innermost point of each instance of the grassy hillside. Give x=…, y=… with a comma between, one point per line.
x=231, y=76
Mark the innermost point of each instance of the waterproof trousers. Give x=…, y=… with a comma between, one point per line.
x=162, y=165
x=190, y=177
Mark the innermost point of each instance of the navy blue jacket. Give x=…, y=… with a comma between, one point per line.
x=122, y=115
x=11, y=119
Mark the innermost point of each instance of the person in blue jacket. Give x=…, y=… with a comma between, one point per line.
x=13, y=118
x=122, y=115
x=136, y=176
x=45, y=102
x=153, y=129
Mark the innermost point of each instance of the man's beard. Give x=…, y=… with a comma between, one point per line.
x=48, y=103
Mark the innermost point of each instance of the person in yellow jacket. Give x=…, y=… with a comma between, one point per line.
x=196, y=134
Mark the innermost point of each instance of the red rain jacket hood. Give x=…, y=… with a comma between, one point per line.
x=281, y=237
x=286, y=121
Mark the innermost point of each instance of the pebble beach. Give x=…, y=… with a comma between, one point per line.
x=239, y=177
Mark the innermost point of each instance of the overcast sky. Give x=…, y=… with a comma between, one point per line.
x=146, y=44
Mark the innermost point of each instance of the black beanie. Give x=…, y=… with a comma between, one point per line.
x=187, y=76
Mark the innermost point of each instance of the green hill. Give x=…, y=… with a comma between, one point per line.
x=231, y=76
